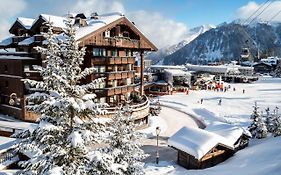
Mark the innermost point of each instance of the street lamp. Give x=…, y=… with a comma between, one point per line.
x=158, y=130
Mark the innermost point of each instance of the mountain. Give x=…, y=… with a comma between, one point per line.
x=226, y=41
x=157, y=57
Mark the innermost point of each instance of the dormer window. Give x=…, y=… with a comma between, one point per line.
x=126, y=34
x=44, y=29
x=20, y=32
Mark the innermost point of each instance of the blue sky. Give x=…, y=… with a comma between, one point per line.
x=192, y=12
x=165, y=22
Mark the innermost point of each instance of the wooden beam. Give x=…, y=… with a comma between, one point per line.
x=142, y=76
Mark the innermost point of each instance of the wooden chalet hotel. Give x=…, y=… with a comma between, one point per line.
x=111, y=42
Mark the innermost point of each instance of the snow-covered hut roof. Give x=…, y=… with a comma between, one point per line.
x=228, y=131
x=197, y=142
x=95, y=24
x=177, y=72
x=26, y=22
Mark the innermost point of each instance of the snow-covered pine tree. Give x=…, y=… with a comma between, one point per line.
x=277, y=123
x=258, y=127
x=125, y=144
x=67, y=128
x=278, y=70
x=269, y=120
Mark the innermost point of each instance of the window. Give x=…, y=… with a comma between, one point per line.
x=126, y=34
x=26, y=68
x=128, y=52
x=114, y=53
x=102, y=85
x=107, y=34
x=5, y=68
x=100, y=69
x=129, y=81
x=99, y=52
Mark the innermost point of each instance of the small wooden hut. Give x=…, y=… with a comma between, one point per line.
x=198, y=148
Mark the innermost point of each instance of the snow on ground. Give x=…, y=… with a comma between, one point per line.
x=260, y=158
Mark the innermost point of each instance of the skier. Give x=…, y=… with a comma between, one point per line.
x=219, y=102
x=201, y=100
x=243, y=91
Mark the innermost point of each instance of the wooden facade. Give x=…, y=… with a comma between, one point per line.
x=111, y=49
x=215, y=156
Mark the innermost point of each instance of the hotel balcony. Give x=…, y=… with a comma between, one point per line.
x=105, y=92
x=139, y=111
x=112, y=60
x=124, y=42
x=114, y=75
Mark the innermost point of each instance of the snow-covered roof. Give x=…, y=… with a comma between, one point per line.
x=196, y=141
x=6, y=41
x=57, y=21
x=95, y=24
x=176, y=72
x=27, y=41
x=15, y=57
x=6, y=143
x=268, y=64
x=228, y=131
x=217, y=69
x=26, y=22
x=16, y=125
x=167, y=67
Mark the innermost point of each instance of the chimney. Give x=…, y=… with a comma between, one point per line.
x=94, y=15
x=80, y=22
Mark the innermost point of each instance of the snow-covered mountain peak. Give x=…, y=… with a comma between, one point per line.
x=168, y=50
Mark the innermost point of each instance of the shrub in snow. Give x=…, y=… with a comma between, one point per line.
x=66, y=130
x=258, y=127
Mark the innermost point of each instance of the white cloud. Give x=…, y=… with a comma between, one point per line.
x=160, y=30
x=247, y=10
x=8, y=10
x=90, y=6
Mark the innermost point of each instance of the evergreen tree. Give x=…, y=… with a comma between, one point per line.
x=67, y=128
x=278, y=70
x=124, y=143
x=277, y=123
x=258, y=127
x=269, y=120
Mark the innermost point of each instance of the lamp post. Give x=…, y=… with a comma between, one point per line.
x=158, y=130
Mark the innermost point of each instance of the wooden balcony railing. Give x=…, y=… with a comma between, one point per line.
x=139, y=111
x=114, y=75
x=114, y=90
x=114, y=42
x=113, y=60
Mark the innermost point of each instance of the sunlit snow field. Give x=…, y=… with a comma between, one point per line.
x=260, y=158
